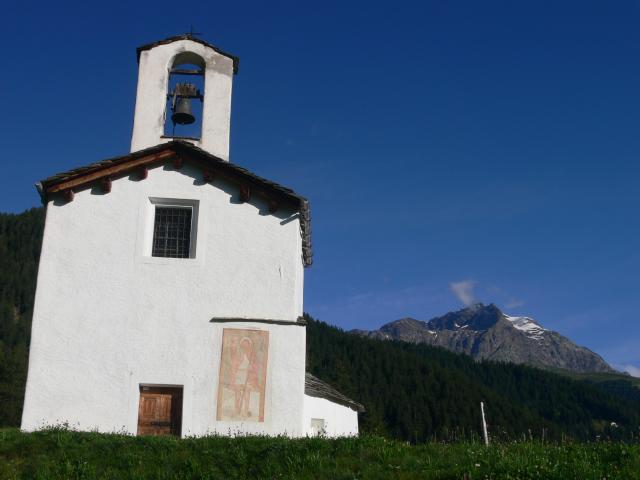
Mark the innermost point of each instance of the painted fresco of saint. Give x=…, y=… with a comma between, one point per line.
x=242, y=375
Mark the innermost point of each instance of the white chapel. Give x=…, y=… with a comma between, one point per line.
x=170, y=288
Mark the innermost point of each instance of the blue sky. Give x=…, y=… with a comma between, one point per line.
x=490, y=145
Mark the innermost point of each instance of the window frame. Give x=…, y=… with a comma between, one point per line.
x=149, y=215
x=178, y=240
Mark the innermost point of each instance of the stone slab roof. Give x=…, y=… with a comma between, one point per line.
x=87, y=175
x=314, y=387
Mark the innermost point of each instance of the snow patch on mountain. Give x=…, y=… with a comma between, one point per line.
x=527, y=325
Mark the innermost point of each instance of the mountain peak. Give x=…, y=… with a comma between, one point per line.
x=478, y=317
x=485, y=332
x=405, y=327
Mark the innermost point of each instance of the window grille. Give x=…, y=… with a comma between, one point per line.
x=172, y=232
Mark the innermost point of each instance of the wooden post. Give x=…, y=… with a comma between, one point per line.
x=484, y=425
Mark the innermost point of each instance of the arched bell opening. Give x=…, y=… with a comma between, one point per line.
x=185, y=97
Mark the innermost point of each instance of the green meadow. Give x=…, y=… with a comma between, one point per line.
x=63, y=454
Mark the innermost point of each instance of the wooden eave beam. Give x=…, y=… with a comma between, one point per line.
x=274, y=199
x=183, y=71
x=112, y=171
x=210, y=172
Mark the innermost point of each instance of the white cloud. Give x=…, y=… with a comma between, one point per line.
x=514, y=303
x=631, y=370
x=464, y=291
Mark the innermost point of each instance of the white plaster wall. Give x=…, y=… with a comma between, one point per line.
x=151, y=97
x=108, y=318
x=340, y=421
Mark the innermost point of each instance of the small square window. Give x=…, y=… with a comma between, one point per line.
x=172, y=230
x=318, y=427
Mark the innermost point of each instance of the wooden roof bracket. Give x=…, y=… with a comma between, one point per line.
x=105, y=184
x=208, y=176
x=111, y=171
x=247, y=188
x=68, y=195
x=273, y=205
x=245, y=193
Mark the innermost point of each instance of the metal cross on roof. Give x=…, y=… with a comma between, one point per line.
x=192, y=33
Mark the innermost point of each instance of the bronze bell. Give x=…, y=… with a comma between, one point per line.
x=182, y=112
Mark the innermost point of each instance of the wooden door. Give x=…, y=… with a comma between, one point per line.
x=160, y=411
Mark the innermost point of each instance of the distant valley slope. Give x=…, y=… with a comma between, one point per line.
x=486, y=333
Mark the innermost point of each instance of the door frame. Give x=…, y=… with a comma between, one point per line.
x=177, y=392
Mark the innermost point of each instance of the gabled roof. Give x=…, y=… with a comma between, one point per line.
x=180, y=151
x=314, y=387
x=187, y=36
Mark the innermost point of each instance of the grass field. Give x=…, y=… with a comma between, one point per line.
x=61, y=454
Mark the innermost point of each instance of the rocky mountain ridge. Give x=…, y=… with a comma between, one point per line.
x=486, y=333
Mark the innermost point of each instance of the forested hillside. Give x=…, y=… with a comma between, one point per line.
x=417, y=392
x=411, y=392
x=20, y=240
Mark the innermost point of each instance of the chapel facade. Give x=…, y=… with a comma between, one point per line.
x=170, y=287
